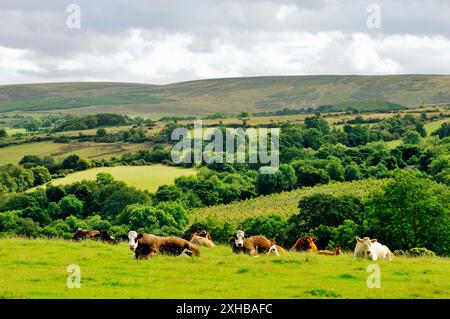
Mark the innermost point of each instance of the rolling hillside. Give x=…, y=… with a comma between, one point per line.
x=231, y=95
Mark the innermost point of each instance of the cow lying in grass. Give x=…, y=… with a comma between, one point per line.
x=305, y=244
x=252, y=245
x=202, y=238
x=336, y=251
x=145, y=245
x=367, y=248
x=86, y=234
x=94, y=235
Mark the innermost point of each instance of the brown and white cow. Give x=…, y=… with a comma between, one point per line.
x=252, y=245
x=145, y=245
x=84, y=234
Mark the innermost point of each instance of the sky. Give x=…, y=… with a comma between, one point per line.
x=169, y=41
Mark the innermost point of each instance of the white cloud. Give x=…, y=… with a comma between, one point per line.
x=162, y=44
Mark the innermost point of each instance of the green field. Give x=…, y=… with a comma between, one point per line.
x=233, y=94
x=89, y=150
x=284, y=203
x=38, y=269
x=142, y=177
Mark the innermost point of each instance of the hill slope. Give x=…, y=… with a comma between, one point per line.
x=231, y=95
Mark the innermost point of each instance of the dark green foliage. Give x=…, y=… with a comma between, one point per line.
x=412, y=212
x=443, y=131
x=271, y=226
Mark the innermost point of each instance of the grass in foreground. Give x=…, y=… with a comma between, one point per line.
x=37, y=269
x=142, y=177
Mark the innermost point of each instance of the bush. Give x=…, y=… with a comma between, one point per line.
x=310, y=176
x=420, y=252
x=273, y=226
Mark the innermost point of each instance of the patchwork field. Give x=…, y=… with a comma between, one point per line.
x=89, y=150
x=38, y=269
x=284, y=203
x=142, y=177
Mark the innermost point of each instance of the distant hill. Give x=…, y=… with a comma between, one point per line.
x=232, y=95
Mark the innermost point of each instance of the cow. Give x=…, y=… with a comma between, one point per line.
x=367, y=248
x=252, y=245
x=106, y=237
x=145, y=245
x=305, y=244
x=203, y=234
x=201, y=241
x=336, y=251
x=84, y=233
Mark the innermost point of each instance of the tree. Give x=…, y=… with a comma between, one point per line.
x=31, y=124
x=3, y=133
x=41, y=175
x=75, y=162
x=351, y=172
x=438, y=164
x=335, y=169
x=101, y=132
x=411, y=212
x=313, y=138
x=320, y=214
x=18, y=202
x=145, y=217
x=167, y=193
x=55, y=193
x=420, y=128
x=37, y=214
x=105, y=178
x=272, y=226
x=243, y=114
x=309, y=176
x=70, y=205
x=411, y=137
x=30, y=160
x=443, y=131
x=318, y=123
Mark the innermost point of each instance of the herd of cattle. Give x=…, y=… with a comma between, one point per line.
x=145, y=245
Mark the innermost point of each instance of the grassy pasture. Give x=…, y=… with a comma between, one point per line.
x=38, y=269
x=284, y=203
x=142, y=177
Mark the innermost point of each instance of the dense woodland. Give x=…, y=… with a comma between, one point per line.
x=413, y=210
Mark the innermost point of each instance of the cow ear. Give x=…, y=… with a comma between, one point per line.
x=373, y=241
x=359, y=239
x=139, y=236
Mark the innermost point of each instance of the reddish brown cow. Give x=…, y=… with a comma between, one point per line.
x=336, y=251
x=149, y=245
x=84, y=233
x=305, y=244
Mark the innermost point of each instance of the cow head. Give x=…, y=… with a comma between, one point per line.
x=338, y=251
x=132, y=237
x=238, y=238
x=273, y=249
x=367, y=248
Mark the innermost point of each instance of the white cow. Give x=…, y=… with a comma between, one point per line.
x=371, y=249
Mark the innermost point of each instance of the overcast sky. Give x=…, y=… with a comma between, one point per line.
x=171, y=41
